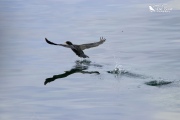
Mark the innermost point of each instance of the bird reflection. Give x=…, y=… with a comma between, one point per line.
x=78, y=68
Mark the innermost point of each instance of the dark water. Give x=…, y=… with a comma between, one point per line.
x=133, y=75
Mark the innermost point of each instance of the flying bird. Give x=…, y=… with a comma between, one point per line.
x=78, y=49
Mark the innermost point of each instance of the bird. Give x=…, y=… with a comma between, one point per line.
x=78, y=49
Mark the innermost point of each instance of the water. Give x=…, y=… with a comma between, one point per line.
x=44, y=82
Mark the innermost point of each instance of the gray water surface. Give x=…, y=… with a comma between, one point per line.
x=134, y=75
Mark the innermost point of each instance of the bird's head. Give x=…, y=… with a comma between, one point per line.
x=68, y=43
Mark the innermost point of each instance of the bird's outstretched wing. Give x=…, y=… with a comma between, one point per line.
x=90, y=45
x=49, y=42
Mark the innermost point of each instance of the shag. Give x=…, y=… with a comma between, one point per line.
x=78, y=49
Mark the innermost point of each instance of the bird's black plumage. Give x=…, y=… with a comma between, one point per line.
x=78, y=49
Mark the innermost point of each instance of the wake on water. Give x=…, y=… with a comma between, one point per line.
x=118, y=71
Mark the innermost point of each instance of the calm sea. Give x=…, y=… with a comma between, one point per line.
x=134, y=75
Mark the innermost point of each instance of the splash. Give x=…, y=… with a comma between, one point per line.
x=118, y=70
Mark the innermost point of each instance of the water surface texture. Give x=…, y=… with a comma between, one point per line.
x=134, y=75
